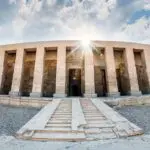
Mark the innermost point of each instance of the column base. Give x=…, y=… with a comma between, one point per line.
x=59, y=95
x=135, y=93
x=113, y=94
x=12, y=93
x=35, y=94
x=90, y=95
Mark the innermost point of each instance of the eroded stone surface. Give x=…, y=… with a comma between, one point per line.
x=101, y=122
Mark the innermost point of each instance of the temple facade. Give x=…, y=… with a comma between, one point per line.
x=67, y=68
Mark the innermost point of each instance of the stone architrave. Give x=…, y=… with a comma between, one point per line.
x=17, y=76
x=38, y=73
x=61, y=72
x=111, y=72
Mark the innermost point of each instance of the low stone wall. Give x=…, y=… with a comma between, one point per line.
x=24, y=101
x=40, y=102
x=129, y=101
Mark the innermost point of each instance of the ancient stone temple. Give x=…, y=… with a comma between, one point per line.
x=67, y=68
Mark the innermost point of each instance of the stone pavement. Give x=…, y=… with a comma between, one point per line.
x=132, y=143
x=77, y=119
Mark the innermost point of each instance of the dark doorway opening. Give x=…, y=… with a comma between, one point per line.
x=74, y=82
x=100, y=81
x=104, y=82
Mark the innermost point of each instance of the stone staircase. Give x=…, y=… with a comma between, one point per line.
x=58, y=127
x=77, y=120
x=98, y=126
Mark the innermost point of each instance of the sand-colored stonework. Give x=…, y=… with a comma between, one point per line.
x=60, y=68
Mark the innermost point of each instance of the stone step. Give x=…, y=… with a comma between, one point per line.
x=98, y=122
x=58, y=125
x=58, y=122
x=64, y=130
x=61, y=119
x=92, y=131
x=102, y=125
x=95, y=118
x=92, y=112
x=64, y=107
x=59, y=136
x=62, y=114
x=90, y=115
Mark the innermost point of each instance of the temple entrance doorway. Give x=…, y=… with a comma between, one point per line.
x=74, y=82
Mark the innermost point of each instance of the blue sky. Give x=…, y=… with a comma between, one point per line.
x=39, y=20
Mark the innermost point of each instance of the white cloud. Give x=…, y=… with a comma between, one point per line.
x=139, y=31
x=12, y=1
x=147, y=4
x=100, y=19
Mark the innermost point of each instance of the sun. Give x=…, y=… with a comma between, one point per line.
x=85, y=42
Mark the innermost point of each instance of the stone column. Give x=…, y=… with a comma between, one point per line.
x=146, y=55
x=61, y=72
x=111, y=72
x=89, y=74
x=17, y=76
x=132, y=71
x=38, y=73
x=2, y=59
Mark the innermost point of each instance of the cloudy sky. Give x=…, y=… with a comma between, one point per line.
x=39, y=20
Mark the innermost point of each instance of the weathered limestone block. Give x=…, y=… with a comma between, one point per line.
x=111, y=72
x=38, y=73
x=146, y=56
x=132, y=71
x=61, y=72
x=89, y=75
x=17, y=76
x=2, y=55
